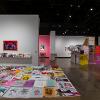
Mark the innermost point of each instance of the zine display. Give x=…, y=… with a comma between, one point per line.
x=34, y=82
x=23, y=92
x=3, y=90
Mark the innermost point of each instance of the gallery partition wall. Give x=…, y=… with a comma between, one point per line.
x=22, y=29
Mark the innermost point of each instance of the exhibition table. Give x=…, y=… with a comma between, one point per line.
x=35, y=82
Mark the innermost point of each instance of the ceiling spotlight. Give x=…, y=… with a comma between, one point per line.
x=88, y=15
x=66, y=30
x=78, y=6
x=58, y=14
x=71, y=5
x=70, y=16
x=91, y=9
x=88, y=29
x=76, y=26
x=59, y=25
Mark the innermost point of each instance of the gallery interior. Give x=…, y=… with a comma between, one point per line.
x=49, y=49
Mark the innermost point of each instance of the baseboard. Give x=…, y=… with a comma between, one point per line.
x=63, y=57
x=43, y=57
x=55, y=57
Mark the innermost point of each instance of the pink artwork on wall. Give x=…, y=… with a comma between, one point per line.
x=44, y=46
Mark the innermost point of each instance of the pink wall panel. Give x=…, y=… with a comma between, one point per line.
x=44, y=45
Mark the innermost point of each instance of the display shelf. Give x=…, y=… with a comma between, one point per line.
x=38, y=82
x=20, y=58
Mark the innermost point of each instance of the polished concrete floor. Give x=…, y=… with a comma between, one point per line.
x=86, y=81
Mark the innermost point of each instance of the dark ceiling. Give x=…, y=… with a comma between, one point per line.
x=66, y=17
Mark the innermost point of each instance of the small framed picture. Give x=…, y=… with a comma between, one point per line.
x=10, y=45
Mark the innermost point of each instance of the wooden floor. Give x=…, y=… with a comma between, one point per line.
x=87, y=81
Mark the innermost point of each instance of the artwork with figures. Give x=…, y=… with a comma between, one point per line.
x=42, y=47
x=42, y=50
x=10, y=45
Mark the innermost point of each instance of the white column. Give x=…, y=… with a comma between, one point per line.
x=52, y=43
x=36, y=43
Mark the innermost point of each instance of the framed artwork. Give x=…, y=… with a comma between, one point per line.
x=10, y=45
x=42, y=47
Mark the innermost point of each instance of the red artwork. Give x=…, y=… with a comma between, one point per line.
x=97, y=50
x=10, y=45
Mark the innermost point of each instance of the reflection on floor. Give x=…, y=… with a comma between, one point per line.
x=44, y=61
x=87, y=82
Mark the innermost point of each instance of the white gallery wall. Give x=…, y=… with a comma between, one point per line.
x=62, y=42
x=24, y=29
x=52, y=42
